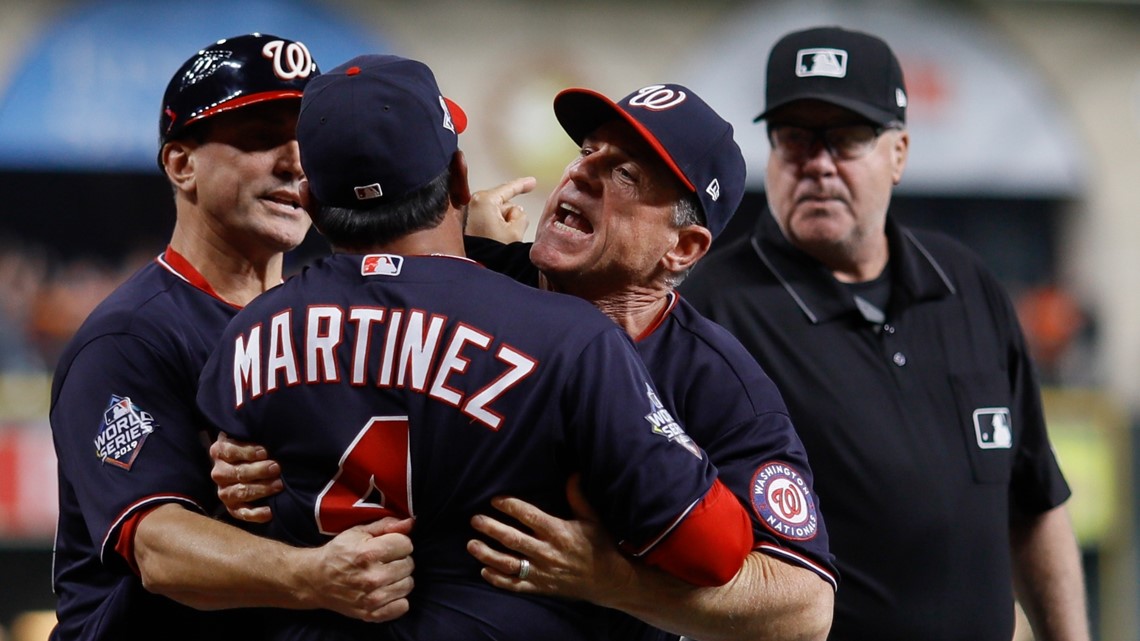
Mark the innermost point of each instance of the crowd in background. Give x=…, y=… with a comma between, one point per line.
x=44, y=297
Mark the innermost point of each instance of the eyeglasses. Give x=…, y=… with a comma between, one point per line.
x=845, y=142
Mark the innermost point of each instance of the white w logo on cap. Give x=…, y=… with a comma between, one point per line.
x=294, y=55
x=657, y=98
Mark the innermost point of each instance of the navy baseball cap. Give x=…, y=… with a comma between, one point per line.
x=692, y=139
x=232, y=73
x=374, y=129
x=850, y=69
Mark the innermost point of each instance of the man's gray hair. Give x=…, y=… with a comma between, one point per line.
x=686, y=211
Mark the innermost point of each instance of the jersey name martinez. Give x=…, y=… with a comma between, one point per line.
x=390, y=348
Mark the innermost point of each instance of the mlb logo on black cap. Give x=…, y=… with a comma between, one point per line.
x=849, y=69
x=821, y=62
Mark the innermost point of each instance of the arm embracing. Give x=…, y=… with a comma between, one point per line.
x=767, y=600
x=364, y=572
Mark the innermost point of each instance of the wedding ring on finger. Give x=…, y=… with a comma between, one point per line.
x=524, y=569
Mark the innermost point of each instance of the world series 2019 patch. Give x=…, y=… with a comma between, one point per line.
x=662, y=423
x=122, y=432
x=783, y=501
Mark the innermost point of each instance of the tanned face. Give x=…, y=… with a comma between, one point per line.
x=608, y=223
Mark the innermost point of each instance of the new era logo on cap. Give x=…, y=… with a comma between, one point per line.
x=713, y=190
x=447, y=122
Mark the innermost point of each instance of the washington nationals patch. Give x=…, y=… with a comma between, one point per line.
x=122, y=432
x=783, y=501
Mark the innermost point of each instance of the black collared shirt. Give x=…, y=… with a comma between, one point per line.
x=925, y=431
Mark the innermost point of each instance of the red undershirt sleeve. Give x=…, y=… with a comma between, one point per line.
x=709, y=546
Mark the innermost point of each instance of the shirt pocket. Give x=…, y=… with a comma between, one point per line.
x=986, y=421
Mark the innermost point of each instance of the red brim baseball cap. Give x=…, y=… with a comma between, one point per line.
x=693, y=141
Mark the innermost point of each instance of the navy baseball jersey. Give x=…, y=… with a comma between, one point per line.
x=744, y=429
x=733, y=410
x=730, y=407
x=425, y=386
x=128, y=437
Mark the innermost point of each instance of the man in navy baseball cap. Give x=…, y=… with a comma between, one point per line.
x=524, y=388
x=376, y=132
x=657, y=177
x=693, y=141
x=375, y=129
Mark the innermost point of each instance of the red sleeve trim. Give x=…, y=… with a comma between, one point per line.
x=799, y=559
x=120, y=536
x=125, y=546
x=709, y=546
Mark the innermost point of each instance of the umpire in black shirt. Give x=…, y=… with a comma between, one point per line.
x=903, y=367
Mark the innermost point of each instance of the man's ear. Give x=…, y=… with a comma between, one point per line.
x=693, y=242
x=459, y=189
x=178, y=163
x=309, y=202
x=900, y=148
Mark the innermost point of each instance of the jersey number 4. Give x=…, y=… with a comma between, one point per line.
x=374, y=479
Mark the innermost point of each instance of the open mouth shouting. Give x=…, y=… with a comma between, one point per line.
x=569, y=219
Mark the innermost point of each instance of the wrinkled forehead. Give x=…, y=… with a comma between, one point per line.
x=629, y=142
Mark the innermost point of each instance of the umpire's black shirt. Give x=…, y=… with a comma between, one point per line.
x=923, y=425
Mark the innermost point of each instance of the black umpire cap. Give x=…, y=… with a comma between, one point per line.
x=851, y=69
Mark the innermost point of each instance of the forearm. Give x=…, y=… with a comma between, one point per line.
x=208, y=565
x=768, y=600
x=1048, y=577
